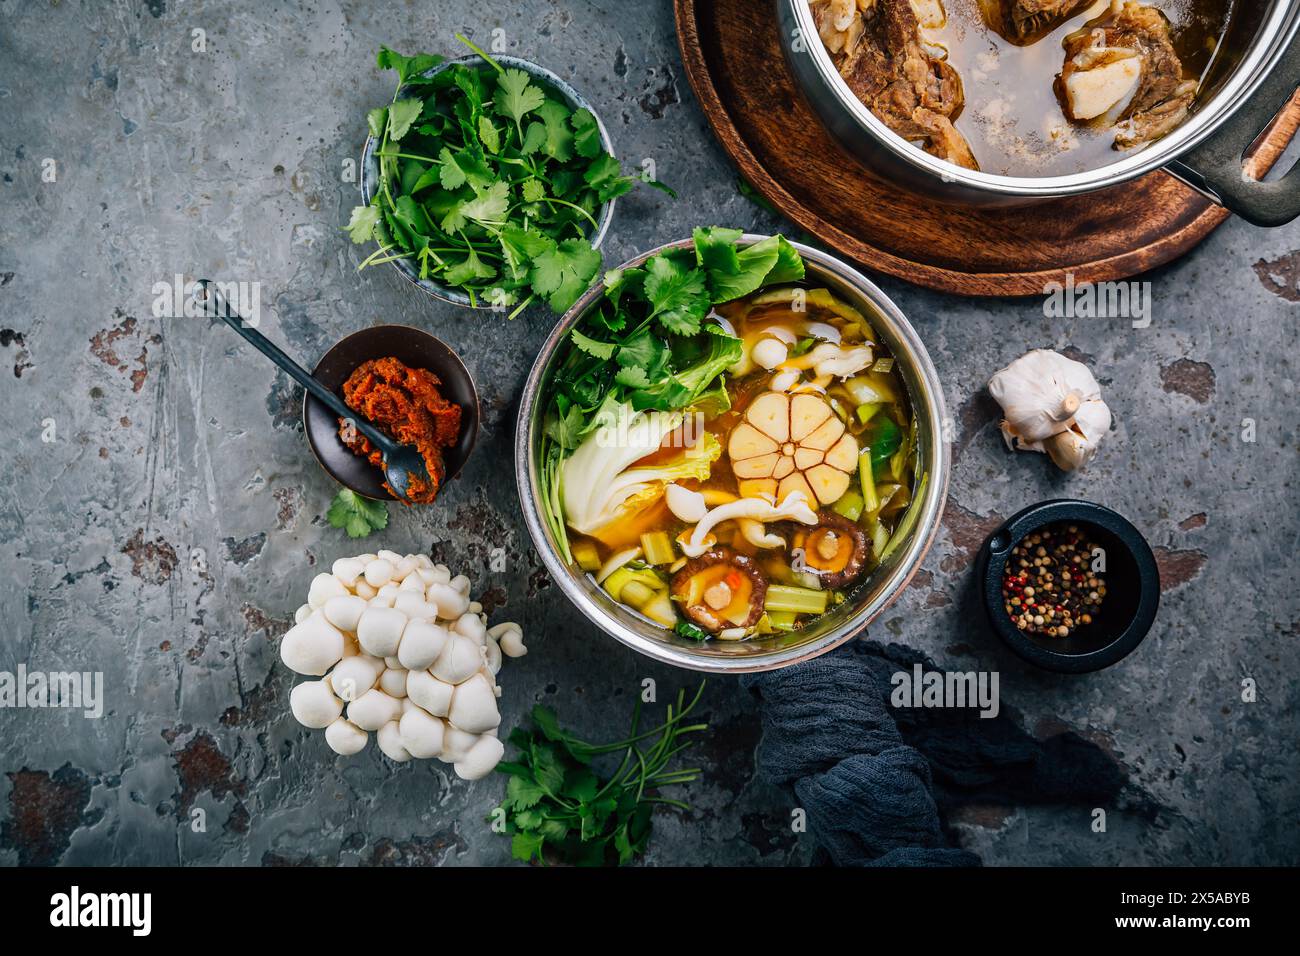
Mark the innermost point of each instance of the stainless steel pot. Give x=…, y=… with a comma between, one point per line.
x=872, y=596
x=1253, y=79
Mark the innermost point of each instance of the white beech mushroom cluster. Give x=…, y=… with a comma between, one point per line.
x=399, y=648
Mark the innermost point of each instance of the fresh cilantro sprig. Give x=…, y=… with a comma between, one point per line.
x=558, y=808
x=489, y=182
x=356, y=515
x=646, y=343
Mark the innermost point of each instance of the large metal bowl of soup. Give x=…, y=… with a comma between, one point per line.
x=1244, y=68
x=871, y=594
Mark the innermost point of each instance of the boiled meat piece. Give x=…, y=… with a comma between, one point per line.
x=1122, y=68
x=1024, y=21
x=891, y=70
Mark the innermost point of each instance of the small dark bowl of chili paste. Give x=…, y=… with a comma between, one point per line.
x=1069, y=585
x=411, y=386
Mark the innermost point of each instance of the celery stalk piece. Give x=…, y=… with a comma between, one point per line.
x=784, y=597
x=871, y=503
x=658, y=548
x=906, y=523
x=585, y=553
x=849, y=505
x=866, y=410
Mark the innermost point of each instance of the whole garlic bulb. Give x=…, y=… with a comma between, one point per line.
x=1051, y=404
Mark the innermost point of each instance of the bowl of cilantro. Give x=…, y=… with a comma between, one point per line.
x=488, y=182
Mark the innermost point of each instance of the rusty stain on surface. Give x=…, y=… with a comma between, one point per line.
x=1177, y=567
x=1281, y=276
x=1192, y=522
x=1186, y=377
x=106, y=344
x=416, y=850
x=967, y=532
x=152, y=561
x=44, y=811
x=202, y=767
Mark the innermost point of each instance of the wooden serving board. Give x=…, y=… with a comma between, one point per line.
x=735, y=64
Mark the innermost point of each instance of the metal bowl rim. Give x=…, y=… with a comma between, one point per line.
x=938, y=466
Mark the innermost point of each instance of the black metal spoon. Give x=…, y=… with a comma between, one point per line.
x=401, y=462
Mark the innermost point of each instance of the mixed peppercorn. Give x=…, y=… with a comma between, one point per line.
x=1049, y=585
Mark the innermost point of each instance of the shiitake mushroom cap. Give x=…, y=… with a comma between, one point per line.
x=844, y=567
x=702, y=614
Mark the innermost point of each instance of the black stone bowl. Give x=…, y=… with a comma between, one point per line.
x=413, y=347
x=1132, y=588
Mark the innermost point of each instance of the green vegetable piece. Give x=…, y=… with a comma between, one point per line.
x=688, y=630
x=401, y=114
x=883, y=437
x=850, y=505
x=586, y=134
x=407, y=67
x=867, y=410
x=559, y=138
x=356, y=515
x=516, y=96
x=361, y=227
x=786, y=597
x=563, y=273
x=678, y=296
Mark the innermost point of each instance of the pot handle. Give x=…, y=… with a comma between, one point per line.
x=1216, y=166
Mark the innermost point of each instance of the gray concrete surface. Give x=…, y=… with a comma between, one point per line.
x=168, y=526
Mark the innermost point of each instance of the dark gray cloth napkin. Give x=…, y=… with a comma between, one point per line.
x=877, y=782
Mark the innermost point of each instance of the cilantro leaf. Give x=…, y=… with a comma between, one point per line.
x=356, y=515
x=586, y=134
x=517, y=96
x=488, y=206
x=489, y=135
x=526, y=846
x=600, y=350
x=406, y=66
x=468, y=270
x=605, y=176
x=559, y=138
x=401, y=114
x=361, y=227
x=678, y=296
x=563, y=273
